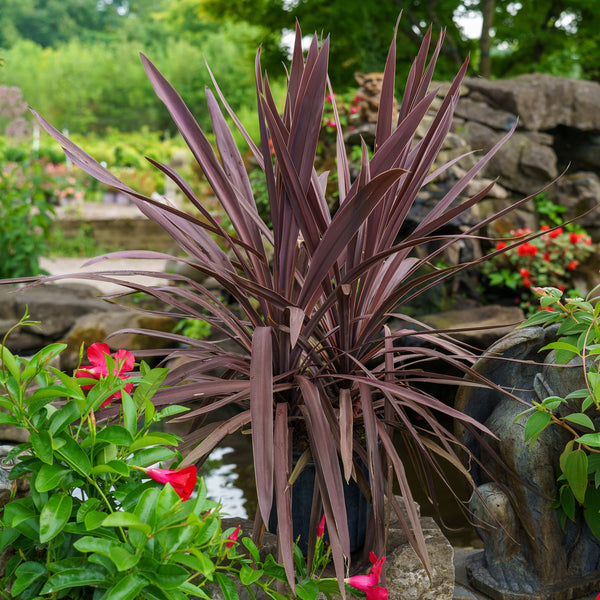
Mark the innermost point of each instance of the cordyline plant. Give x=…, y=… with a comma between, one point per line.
x=316, y=366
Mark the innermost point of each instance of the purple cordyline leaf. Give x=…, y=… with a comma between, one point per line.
x=344, y=225
x=212, y=225
x=81, y=158
x=326, y=461
x=201, y=149
x=296, y=70
x=339, y=552
x=296, y=321
x=261, y=409
x=247, y=138
x=385, y=111
x=212, y=440
x=308, y=116
x=283, y=492
x=293, y=201
x=376, y=478
x=346, y=431
x=435, y=216
x=343, y=169
x=405, y=491
x=234, y=168
x=412, y=396
x=415, y=76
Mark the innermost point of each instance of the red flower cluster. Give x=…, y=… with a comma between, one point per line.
x=547, y=260
x=97, y=353
x=369, y=583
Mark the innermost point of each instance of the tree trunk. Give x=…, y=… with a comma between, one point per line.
x=485, y=63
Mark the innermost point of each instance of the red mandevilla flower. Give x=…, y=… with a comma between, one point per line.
x=572, y=265
x=524, y=272
x=574, y=237
x=500, y=245
x=377, y=593
x=97, y=353
x=183, y=481
x=232, y=538
x=366, y=583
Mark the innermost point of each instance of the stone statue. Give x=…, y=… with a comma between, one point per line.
x=527, y=554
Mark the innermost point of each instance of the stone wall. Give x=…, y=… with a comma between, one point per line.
x=558, y=134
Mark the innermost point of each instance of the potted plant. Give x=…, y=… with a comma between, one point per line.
x=315, y=364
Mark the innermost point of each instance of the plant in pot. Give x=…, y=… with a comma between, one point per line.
x=312, y=363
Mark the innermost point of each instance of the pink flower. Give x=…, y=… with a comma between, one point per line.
x=367, y=583
x=183, y=481
x=97, y=353
x=378, y=593
x=232, y=539
x=321, y=527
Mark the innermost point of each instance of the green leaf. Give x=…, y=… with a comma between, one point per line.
x=121, y=554
x=227, y=586
x=151, y=456
x=248, y=575
x=115, y=434
x=155, y=439
x=580, y=419
x=42, y=445
x=171, y=576
x=592, y=518
x=86, y=575
x=251, y=546
x=54, y=516
x=10, y=362
x=590, y=439
x=8, y=419
x=49, y=477
x=86, y=507
x=93, y=519
x=127, y=589
x=112, y=466
x=63, y=418
x=567, y=501
x=126, y=519
x=206, y=565
x=72, y=453
x=198, y=562
x=536, y=423
x=307, y=589
x=27, y=573
x=129, y=413
x=576, y=473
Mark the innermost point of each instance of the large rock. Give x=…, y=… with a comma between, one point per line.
x=542, y=102
x=57, y=307
x=104, y=326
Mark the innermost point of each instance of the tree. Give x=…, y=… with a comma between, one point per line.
x=360, y=30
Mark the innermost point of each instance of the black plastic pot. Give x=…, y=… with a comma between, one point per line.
x=357, y=509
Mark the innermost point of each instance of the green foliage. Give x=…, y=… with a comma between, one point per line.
x=87, y=86
x=577, y=345
x=26, y=217
x=93, y=522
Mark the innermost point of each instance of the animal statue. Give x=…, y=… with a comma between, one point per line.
x=527, y=554
x=369, y=92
